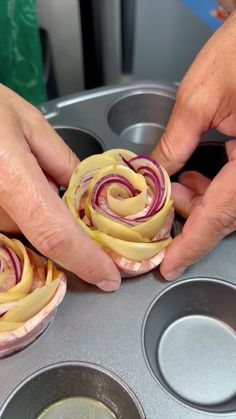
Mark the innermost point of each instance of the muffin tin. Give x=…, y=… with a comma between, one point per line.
x=152, y=349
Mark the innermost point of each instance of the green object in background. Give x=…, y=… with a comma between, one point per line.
x=21, y=66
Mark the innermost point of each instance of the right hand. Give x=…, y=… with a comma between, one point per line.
x=205, y=99
x=31, y=153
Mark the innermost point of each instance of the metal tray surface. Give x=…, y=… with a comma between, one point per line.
x=172, y=347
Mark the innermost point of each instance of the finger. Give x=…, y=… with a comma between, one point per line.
x=53, y=155
x=188, y=193
x=195, y=181
x=7, y=225
x=180, y=138
x=184, y=199
x=193, y=113
x=47, y=223
x=209, y=222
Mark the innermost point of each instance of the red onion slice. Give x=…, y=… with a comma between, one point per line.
x=128, y=164
x=109, y=180
x=17, y=265
x=14, y=266
x=143, y=160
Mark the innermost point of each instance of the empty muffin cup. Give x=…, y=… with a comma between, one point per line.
x=189, y=342
x=69, y=390
x=141, y=118
x=83, y=143
x=208, y=159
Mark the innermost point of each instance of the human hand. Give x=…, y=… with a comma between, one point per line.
x=31, y=153
x=206, y=99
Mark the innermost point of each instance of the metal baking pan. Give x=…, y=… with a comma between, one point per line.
x=152, y=349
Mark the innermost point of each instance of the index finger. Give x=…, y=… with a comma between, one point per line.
x=53, y=155
x=44, y=219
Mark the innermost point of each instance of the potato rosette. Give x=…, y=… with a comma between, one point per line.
x=122, y=201
x=31, y=288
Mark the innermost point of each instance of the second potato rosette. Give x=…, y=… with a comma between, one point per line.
x=31, y=289
x=122, y=201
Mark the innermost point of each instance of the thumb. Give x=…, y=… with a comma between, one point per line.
x=181, y=136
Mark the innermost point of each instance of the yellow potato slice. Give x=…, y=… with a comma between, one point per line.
x=30, y=305
x=115, y=229
x=130, y=250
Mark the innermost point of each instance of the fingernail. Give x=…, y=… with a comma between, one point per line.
x=174, y=274
x=106, y=285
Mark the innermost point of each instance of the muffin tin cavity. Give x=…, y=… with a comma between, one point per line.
x=208, y=159
x=141, y=117
x=189, y=342
x=173, y=344
x=70, y=390
x=82, y=142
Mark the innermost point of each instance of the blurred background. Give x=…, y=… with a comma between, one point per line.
x=84, y=44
